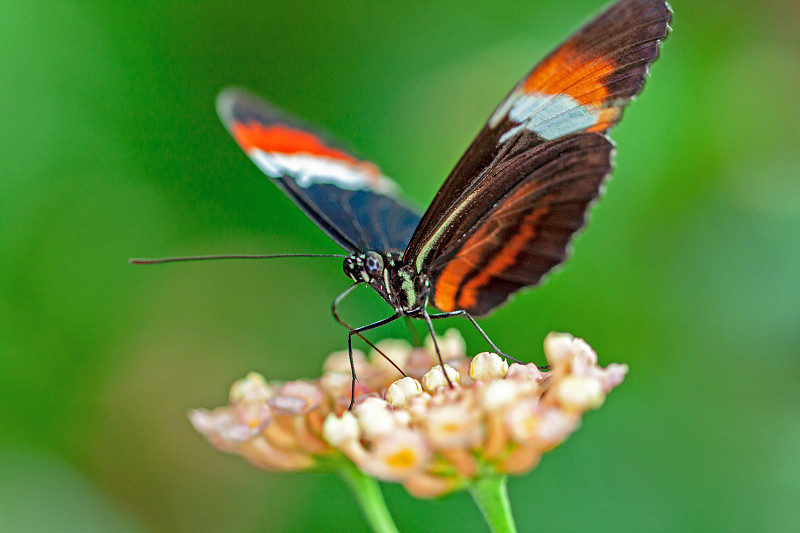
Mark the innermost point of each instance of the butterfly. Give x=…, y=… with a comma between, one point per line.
x=507, y=212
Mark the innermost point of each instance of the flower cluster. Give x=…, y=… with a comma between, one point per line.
x=432, y=432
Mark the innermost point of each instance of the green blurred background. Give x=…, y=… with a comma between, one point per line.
x=111, y=148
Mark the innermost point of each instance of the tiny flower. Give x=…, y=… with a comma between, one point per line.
x=340, y=362
x=529, y=372
x=486, y=366
x=537, y=426
x=580, y=393
x=221, y=427
x=499, y=394
x=453, y=425
x=397, y=456
x=395, y=350
x=336, y=384
x=451, y=345
x=277, y=427
x=554, y=426
x=253, y=388
x=401, y=391
x=375, y=417
x=613, y=376
x=296, y=398
x=435, y=378
x=338, y=430
x=559, y=348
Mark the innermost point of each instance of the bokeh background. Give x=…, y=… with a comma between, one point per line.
x=689, y=271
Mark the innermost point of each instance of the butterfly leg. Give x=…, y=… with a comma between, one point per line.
x=357, y=331
x=335, y=314
x=480, y=330
x=428, y=321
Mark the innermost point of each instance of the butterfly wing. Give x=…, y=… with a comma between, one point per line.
x=507, y=212
x=529, y=209
x=346, y=197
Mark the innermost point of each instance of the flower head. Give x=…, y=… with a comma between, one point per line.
x=435, y=430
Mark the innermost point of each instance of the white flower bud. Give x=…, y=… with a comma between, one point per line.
x=584, y=352
x=375, y=417
x=499, y=394
x=451, y=345
x=396, y=350
x=558, y=348
x=580, y=393
x=486, y=366
x=340, y=361
x=435, y=378
x=251, y=388
x=339, y=430
x=402, y=390
x=529, y=372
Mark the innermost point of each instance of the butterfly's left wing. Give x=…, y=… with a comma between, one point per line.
x=506, y=214
x=346, y=197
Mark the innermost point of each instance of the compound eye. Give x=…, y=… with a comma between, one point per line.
x=373, y=264
x=350, y=269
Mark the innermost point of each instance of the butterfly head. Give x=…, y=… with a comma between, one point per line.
x=389, y=277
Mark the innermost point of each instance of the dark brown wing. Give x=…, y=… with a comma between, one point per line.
x=519, y=224
x=581, y=87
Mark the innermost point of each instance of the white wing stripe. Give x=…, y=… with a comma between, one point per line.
x=308, y=169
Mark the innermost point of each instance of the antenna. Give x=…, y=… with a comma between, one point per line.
x=215, y=257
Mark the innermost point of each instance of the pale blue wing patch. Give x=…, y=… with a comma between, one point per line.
x=549, y=116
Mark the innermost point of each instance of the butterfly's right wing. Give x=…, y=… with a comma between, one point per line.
x=346, y=197
x=508, y=210
x=582, y=86
x=523, y=218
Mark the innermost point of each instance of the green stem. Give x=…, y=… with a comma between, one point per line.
x=491, y=495
x=369, y=496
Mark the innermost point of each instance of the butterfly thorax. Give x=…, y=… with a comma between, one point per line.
x=397, y=283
